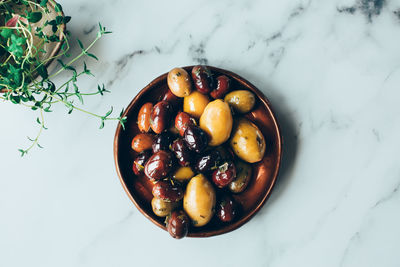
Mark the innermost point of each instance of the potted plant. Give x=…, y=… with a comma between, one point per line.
x=32, y=35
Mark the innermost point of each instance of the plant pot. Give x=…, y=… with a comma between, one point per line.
x=52, y=48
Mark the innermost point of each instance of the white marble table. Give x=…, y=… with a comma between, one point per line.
x=331, y=70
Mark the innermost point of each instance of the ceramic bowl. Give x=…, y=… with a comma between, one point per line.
x=265, y=172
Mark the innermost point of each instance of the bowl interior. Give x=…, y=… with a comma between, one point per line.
x=264, y=172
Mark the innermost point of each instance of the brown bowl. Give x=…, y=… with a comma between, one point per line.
x=264, y=172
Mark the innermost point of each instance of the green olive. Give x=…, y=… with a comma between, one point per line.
x=162, y=208
x=183, y=174
x=242, y=101
x=199, y=200
x=243, y=176
x=179, y=82
x=195, y=103
x=247, y=141
x=216, y=121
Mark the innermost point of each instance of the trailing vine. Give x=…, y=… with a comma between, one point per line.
x=27, y=27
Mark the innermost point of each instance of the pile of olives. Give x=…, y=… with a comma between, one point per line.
x=197, y=154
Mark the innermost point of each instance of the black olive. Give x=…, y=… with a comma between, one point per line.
x=140, y=161
x=182, y=152
x=196, y=139
x=210, y=160
x=162, y=142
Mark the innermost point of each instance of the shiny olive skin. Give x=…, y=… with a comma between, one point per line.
x=178, y=224
x=224, y=175
x=226, y=209
x=199, y=200
x=167, y=192
x=247, y=141
x=217, y=122
x=196, y=139
x=161, y=116
x=183, y=174
x=142, y=142
x=159, y=165
x=162, y=142
x=203, y=79
x=195, y=103
x=179, y=82
x=243, y=176
x=140, y=162
x=209, y=161
x=182, y=152
x=175, y=101
x=162, y=208
x=223, y=86
x=144, y=117
x=242, y=101
x=182, y=120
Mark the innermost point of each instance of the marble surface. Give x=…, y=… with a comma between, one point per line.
x=331, y=70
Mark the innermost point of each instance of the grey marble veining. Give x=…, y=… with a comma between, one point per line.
x=331, y=70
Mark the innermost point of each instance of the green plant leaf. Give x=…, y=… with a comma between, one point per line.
x=70, y=108
x=109, y=112
x=67, y=19
x=16, y=99
x=122, y=121
x=34, y=17
x=61, y=63
x=6, y=33
x=42, y=70
x=43, y=3
x=23, y=152
x=59, y=20
x=92, y=56
x=81, y=45
x=58, y=8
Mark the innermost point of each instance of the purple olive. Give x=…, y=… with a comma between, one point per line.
x=209, y=161
x=140, y=162
x=175, y=101
x=159, y=165
x=203, y=79
x=162, y=142
x=161, y=116
x=225, y=174
x=182, y=120
x=182, y=152
x=167, y=192
x=226, y=209
x=223, y=84
x=196, y=139
x=178, y=224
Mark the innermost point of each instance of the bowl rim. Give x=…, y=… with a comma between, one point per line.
x=58, y=46
x=252, y=213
